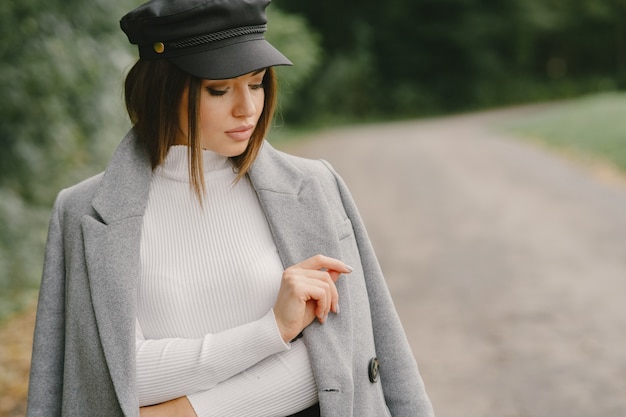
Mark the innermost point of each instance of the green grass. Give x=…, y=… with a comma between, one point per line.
x=591, y=127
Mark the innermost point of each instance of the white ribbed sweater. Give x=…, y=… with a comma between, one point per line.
x=210, y=276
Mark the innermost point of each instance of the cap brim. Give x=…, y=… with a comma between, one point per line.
x=232, y=60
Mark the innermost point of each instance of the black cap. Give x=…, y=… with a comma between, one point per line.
x=212, y=39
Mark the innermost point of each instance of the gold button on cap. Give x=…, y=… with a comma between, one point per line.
x=159, y=47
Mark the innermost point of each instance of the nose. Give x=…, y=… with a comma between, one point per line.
x=244, y=105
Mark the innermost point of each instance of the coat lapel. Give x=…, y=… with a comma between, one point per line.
x=112, y=243
x=294, y=204
x=303, y=225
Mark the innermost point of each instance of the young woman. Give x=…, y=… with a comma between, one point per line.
x=205, y=273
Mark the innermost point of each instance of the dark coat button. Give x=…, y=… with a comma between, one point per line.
x=373, y=370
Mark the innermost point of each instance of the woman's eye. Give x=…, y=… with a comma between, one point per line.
x=257, y=86
x=215, y=92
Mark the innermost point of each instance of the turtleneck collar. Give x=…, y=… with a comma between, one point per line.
x=176, y=164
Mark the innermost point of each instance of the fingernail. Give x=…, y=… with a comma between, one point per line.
x=337, y=308
x=349, y=268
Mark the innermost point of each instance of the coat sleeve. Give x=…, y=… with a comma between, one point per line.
x=46, y=372
x=403, y=387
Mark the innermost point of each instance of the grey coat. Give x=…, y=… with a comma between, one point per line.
x=83, y=356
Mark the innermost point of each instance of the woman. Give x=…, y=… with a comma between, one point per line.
x=205, y=273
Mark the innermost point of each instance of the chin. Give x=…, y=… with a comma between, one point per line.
x=235, y=150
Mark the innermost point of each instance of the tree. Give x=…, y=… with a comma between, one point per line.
x=412, y=57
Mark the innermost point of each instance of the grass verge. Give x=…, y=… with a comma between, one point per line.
x=591, y=128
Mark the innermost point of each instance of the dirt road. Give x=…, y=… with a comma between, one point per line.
x=507, y=264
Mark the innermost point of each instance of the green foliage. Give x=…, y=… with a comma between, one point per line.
x=589, y=127
x=292, y=36
x=60, y=81
x=415, y=57
x=61, y=115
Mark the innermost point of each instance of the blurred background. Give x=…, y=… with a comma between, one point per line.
x=62, y=64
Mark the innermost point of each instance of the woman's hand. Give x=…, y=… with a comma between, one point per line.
x=180, y=407
x=307, y=292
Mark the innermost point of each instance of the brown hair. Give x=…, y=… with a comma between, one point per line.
x=153, y=91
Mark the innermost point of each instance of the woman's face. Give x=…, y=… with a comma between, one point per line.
x=228, y=113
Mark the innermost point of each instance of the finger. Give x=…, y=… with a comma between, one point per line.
x=319, y=294
x=309, y=285
x=328, y=277
x=334, y=295
x=334, y=275
x=298, y=274
x=325, y=304
x=325, y=262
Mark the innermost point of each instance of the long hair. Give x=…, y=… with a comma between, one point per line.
x=153, y=91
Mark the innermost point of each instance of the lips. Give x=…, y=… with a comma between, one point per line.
x=240, y=133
